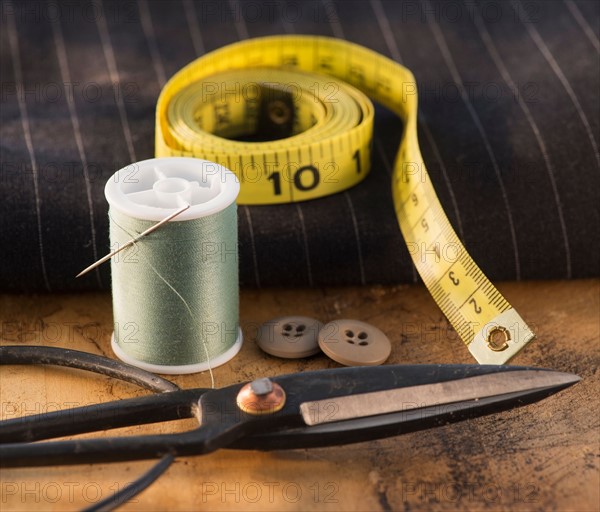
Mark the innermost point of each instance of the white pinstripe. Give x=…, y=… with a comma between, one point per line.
x=288, y=27
x=199, y=48
x=585, y=26
x=388, y=35
x=338, y=32
x=357, y=234
x=240, y=23
x=395, y=53
x=16, y=60
x=438, y=157
x=113, y=71
x=336, y=28
x=446, y=54
x=61, y=53
x=386, y=161
x=155, y=56
x=194, y=27
x=242, y=31
x=539, y=42
x=305, y=240
x=493, y=51
x=386, y=30
x=148, y=28
x=388, y=168
x=252, y=244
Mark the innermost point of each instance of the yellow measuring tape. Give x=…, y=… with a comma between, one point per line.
x=318, y=91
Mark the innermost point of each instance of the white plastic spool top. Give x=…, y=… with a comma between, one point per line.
x=154, y=189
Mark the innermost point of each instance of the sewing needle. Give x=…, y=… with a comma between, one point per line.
x=132, y=241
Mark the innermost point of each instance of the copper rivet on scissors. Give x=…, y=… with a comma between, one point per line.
x=261, y=396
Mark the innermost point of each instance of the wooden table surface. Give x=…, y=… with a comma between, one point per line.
x=541, y=457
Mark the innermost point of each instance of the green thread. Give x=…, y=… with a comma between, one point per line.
x=175, y=291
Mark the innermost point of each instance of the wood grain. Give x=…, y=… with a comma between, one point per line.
x=540, y=457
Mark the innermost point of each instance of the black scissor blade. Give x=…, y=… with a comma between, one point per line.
x=425, y=396
x=326, y=385
x=511, y=387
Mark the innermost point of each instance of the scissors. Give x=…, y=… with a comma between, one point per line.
x=302, y=410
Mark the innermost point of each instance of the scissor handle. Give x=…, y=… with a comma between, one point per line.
x=39, y=354
x=92, y=418
x=223, y=423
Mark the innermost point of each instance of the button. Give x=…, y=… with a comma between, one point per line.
x=290, y=337
x=354, y=343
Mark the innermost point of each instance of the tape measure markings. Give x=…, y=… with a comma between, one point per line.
x=338, y=129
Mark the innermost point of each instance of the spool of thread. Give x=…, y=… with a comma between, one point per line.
x=175, y=291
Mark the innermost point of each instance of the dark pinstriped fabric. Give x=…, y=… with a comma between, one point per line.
x=509, y=129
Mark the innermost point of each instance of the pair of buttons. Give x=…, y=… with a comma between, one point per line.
x=349, y=342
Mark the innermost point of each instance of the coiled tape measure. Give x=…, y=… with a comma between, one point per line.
x=314, y=94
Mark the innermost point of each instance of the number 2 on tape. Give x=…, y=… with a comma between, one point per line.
x=318, y=89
